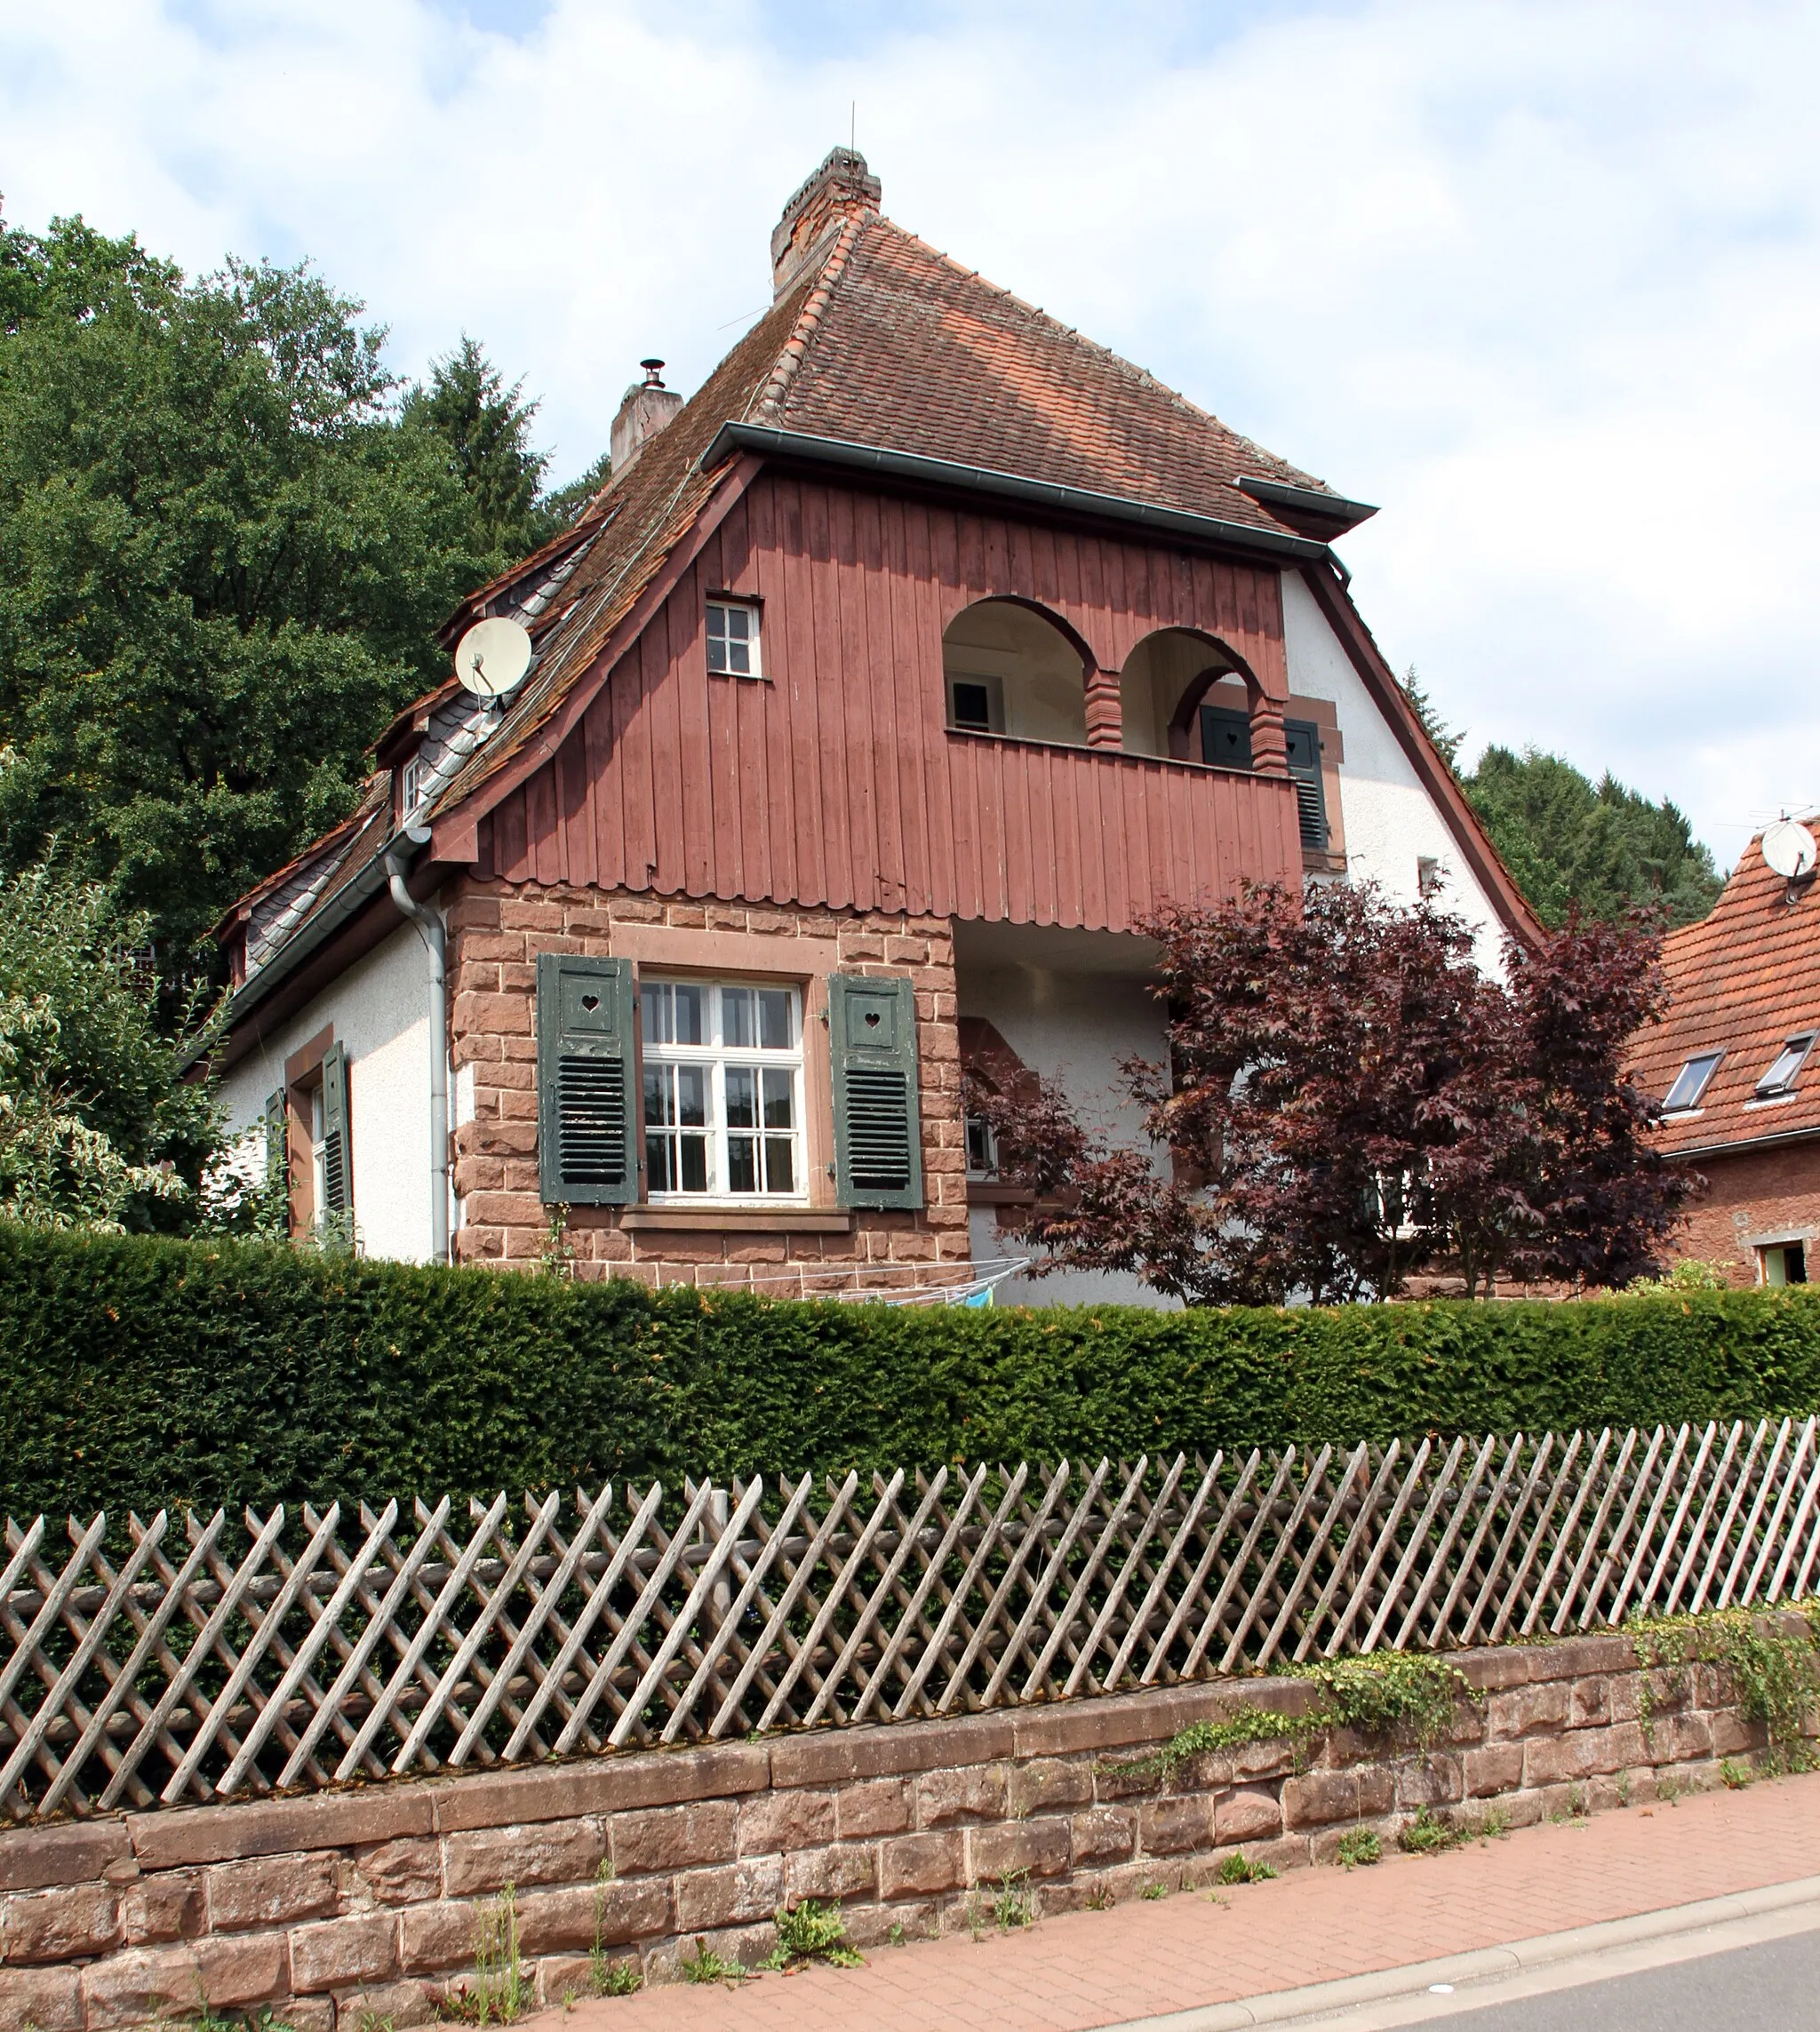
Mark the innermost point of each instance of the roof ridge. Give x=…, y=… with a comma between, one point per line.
x=795, y=347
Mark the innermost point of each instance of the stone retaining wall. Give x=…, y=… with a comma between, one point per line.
x=345, y=1908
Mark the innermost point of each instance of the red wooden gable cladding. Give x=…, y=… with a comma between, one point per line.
x=836, y=782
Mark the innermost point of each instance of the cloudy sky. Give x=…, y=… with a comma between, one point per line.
x=1542, y=279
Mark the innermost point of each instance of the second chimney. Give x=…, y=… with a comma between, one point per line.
x=647, y=407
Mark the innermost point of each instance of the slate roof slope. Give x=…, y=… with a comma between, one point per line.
x=1742, y=981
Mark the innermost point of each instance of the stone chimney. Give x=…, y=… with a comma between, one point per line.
x=648, y=406
x=842, y=188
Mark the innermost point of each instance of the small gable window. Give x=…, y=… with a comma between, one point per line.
x=732, y=639
x=1780, y=1079
x=416, y=781
x=1690, y=1083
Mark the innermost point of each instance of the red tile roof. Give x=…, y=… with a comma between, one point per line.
x=1742, y=981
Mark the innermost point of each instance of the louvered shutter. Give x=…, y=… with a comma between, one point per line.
x=335, y=1215
x=878, y=1123
x=278, y=1155
x=1226, y=738
x=587, y=1152
x=1303, y=739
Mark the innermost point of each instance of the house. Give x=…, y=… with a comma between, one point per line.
x=890, y=683
x=1731, y=1065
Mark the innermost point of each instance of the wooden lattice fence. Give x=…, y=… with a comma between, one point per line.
x=185, y=1659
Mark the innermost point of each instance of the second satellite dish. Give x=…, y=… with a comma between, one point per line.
x=1788, y=849
x=492, y=656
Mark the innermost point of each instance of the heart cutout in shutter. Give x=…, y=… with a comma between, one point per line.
x=590, y=1003
x=872, y=1019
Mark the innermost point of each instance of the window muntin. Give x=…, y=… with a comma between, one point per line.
x=722, y=1091
x=411, y=789
x=732, y=639
x=1780, y=1078
x=1690, y=1083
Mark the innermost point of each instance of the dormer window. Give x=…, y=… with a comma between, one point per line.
x=1690, y=1083
x=1780, y=1079
x=732, y=639
x=411, y=789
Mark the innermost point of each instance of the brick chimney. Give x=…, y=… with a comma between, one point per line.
x=842, y=188
x=647, y=407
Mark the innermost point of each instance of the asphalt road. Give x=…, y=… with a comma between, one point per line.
x=1772, y=1987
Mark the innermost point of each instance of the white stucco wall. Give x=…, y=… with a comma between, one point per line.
x=1073, y=1028
x=379, y=1009
x=1390, y=821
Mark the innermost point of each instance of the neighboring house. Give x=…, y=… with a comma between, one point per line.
x=1732, y=1064
x=890, y=683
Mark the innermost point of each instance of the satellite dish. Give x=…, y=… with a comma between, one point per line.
x=492, y=656
x=1788, y=849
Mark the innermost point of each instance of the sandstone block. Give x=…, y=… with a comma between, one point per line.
x=872, y=1925
x=774, y=1823
x=1321, y=1797
x=336, y=1953
x=276, y=1826
x=403, y=2003
x=170, y=1905
x=736, y=1895
x=546, y=1852
x=436, y=1937
x=250, y=1969
x=1102, y=1834
x=1731, y=1735
x=1252, y=1814
x=1435, y=1780
x=674, y=1838
x=1041, y=1847
x=59, y=1925
x=1527, y=1710
x=844, y=1870
x=271, y=1891
x=46, y=2000
x=839, y=1757
x=614, y=1913
x=878, y=1806
x=1497, y=1768
x=915, y=1865
x=1170, y=1827
x=140, y=1984
x=408, y=1872
x=33, y=1858
x=1047, y=1783
x=975, y=1793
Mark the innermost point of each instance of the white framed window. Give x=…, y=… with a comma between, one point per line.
x=722, y=1091
x=1690, y=1083
x=976, y=704
x=732, y=639
x=415, y=784
x=982, y=1149
x=1780, y=1079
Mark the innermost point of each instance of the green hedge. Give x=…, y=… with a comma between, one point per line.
x=135, y=1372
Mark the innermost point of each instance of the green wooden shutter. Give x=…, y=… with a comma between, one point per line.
x=1226, y=738
x=878, y=1120
x=586, y=1140
x=335, y=1215
x=1303, y=739
x=277, y=1126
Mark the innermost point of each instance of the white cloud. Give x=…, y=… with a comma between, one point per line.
x=1540, y=277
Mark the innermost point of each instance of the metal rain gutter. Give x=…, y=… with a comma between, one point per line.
x=767, y=442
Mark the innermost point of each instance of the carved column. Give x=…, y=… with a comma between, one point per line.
x=1106, y=713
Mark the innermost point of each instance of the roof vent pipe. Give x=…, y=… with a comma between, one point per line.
x=646, y=407
x=429, y=925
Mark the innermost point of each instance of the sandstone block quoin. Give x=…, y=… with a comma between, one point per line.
x=372, y=1899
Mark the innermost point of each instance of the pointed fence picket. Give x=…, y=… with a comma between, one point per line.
x=184, y=1659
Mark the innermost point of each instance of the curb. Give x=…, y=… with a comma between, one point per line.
x=1515, y=1957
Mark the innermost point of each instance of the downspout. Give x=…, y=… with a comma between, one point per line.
x=427, y=921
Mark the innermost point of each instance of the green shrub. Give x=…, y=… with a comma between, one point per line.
x=136, y=1372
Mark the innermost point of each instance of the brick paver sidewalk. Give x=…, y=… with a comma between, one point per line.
x=1087, y=1969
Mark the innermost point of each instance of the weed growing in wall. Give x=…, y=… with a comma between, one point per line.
x=1775, y=1671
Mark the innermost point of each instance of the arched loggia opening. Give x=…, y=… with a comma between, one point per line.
x=1010, y=668
x=1186, y=695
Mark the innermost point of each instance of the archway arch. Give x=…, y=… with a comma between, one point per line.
x=1012, y=668
x=1168, y=678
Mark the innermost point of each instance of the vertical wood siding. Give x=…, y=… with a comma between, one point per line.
x=836, y=782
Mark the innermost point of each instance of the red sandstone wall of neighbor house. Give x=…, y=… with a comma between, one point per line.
x=1755, y=1193
x=344, y=1907
x=496, y=929
x=836, y=783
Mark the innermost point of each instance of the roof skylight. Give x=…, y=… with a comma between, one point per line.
x=1780, y=1079
x=1690, y=1083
